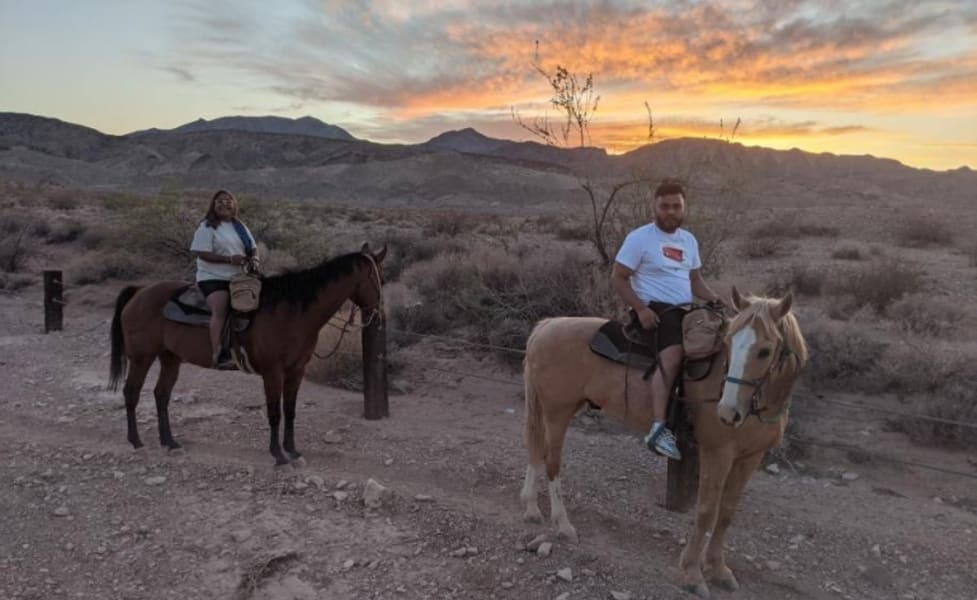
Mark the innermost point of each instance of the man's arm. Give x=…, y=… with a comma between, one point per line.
x=621, y=282
x=214, y=257
x=700, y=289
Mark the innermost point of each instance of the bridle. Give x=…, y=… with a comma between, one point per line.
x=760, y=383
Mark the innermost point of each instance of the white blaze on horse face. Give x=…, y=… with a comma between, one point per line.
x=739, y=351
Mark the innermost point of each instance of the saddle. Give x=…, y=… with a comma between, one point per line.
x=189, y=307
x=625, y=344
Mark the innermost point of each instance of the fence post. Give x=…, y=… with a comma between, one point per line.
x=375, y=369
x=683, y=475
x=53, y=300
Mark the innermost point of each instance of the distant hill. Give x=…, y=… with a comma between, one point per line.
x=281, y=125
x=460, y=169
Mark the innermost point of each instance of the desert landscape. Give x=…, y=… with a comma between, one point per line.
x=871, y=496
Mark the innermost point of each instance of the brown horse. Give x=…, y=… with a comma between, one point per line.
x=765, y=352
x=280, y=341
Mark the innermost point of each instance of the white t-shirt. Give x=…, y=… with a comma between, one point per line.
x=661, y=263
x=225, y=241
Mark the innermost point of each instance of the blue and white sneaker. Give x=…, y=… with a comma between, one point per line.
x=662, y=441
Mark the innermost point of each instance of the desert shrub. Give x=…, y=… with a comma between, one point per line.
x=94, y=237
x=450, y=224
x=102, y=266
x=344, y=367
x=878, y=285
x=64, y=231
x=63, y=200
x=790, y=225
x=11, y=282
x=12, y=224
x=847, y=253
x=14, y=251
x=359, y=216
x=921, y=231
x=799, y=279
x=761, y=247
x=160, y=229
x=497, y=298
x=925, y=315
x=406, y=248
x=840, y=354
x=573, y=231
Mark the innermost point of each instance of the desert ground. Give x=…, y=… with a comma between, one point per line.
x=884, y=294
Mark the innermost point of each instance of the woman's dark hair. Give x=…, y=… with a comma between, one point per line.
x=211, y=218
x=668, y=188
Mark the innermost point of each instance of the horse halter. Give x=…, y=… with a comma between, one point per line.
x=378, y=285
x=760, y=383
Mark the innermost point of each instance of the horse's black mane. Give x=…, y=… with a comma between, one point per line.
x=304, y=286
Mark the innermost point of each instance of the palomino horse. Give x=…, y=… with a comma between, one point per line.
x=280, y=341
x=765, y=352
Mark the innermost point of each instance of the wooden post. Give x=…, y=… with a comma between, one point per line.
x=53, y=300
x=683, y=475
x=375, y=370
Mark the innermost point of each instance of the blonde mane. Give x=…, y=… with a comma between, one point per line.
x=758, y=313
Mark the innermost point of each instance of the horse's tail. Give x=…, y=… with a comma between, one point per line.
x=535, y=425
x=117, y=364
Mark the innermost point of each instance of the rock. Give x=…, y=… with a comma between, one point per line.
x=118, y=474
x=506, y=585
x=536, y=542
x=772, y=468
x=588, y=573
x=423, y=498
x=773, y=565
x=373, y=494
x=349, y=564
x=157, y=480
x=459, y=553
x=331, y=437
x=340, y=496
x=878, y=576
x=472, y=550
x=315, y=480
x=797, y=539
x=241, y=535
x=563, y=596
x=544, y=550
x=565, y=574
x=342, y=483
x=620, y=595
x=877, y=551
x=61, y=511
x=849, y=476
x=388, y=462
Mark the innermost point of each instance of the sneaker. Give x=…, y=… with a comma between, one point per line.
x=661, y=440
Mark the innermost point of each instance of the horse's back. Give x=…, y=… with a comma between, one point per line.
x=558, y=331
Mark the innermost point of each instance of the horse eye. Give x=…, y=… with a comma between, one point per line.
x=763, y=353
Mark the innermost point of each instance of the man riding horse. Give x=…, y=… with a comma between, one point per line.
x=656, y=273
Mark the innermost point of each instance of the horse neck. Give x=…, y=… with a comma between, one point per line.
x=331, y=299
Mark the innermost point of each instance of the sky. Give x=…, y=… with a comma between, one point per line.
x=891, y=78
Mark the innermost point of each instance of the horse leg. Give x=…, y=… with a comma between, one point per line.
x=169, y=370
x=557, y=429
x=713, y=469
x=536, y=446
x=291, y=390
x=273, y=400
x=138, y=368
x=715, y=561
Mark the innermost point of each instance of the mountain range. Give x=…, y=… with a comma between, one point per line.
x=308, y=159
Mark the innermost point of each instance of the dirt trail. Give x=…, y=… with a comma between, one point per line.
x=84, y=516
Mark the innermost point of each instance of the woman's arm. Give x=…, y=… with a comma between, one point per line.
x=214, y=257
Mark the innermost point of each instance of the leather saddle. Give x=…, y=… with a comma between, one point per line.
x=625, y=344
x=189, y=307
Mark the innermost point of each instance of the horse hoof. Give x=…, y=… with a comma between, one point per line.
x=533, y=516
x=729, y=585
x=569, y=535
x=281, y=461
x=699, y=589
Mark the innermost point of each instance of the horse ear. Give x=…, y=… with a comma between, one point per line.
x=365, y=248
x=739, y=302
x=780, y=310
x=379, y=256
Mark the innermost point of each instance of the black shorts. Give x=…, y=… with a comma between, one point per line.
x=669, y=330
x=209, y=286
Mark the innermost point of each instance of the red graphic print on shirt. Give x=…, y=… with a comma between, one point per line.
x=673, y=253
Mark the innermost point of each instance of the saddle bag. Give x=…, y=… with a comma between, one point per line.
x=245, y=290
x=703, y=330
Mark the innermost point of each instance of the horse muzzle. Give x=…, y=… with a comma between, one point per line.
x=730, y=415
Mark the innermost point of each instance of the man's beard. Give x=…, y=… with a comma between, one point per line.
x=668, y=224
